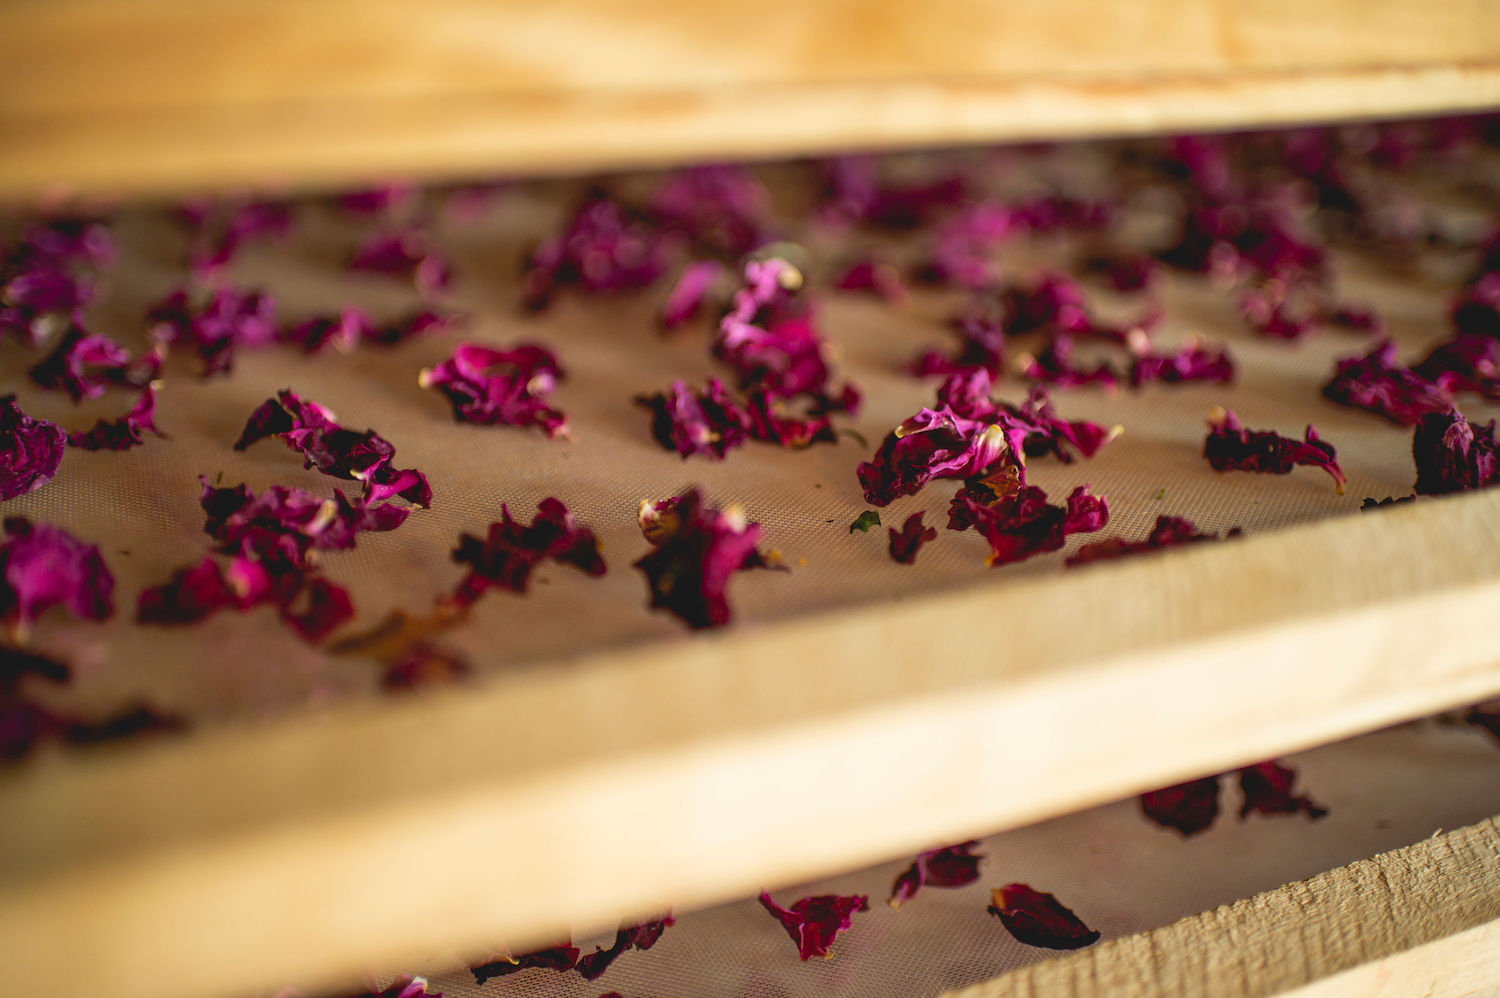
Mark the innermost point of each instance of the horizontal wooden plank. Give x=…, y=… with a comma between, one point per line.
x=156, y=96
x=1420, y=920
x=690, y=773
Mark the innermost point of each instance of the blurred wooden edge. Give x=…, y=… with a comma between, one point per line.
x=319, y=145
x=1424, y=920
x=692, y=771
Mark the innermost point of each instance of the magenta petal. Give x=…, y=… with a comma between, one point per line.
x=123, y=433
x=1017, y=521
x=506, y=557
x=43, y=566
x=951, y=866
x=695, y=552
x=1230, y=446
x=906, y=542
x=1169, y=531
x=494, y=387
x=1374, y=383
x=686, y=298
x=814, y=922
x=30, y=450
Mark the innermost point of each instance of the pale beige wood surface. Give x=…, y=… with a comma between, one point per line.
x=698, y=771
x=152, y=95
x=1424, y=920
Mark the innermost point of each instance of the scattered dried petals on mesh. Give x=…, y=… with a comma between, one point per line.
x=1169, y=531
x=685, y=300
x=1039, y=919
x=42, y=566
x=719, y=208
x=1194, y=362
x=43, y=281
x=769, y=423
x=1374, y=383
x=310, y=429
x=1229, y=446
x=30, y=450
x=1453, y=454
x=864, y=521
x=951, y=866
x=640, y=937
x=695, y=551
x=125, y=432
x=489, y=386
x=1054, y=365
x=1371, y=503
x=1017, y=521
x=406, y=255
x=85, y=365
x=1187, y=808
x=1268, y=786
x=215, y=325
x=711, y=422
x=873, y=275
x=561, y=958
x=602, y=250
x=511, y=551
x=814, y=922
x=906, y=542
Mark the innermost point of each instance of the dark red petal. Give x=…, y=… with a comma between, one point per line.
x=906, y=542
x=42, y=566
x=30, y=450
x=1188, y=808
x=1267, y=787
x=1231, y=446
x=814, y=922
x=1038, y=919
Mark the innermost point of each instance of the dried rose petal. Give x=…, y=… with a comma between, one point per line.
x=253, y=220
x=1038, y=919
x=709, y=422
x=30, y=450
x=602, y=250
x=406, y=987
x=376, y=200
x=506, y=558
x=981, y=345
x=814, y=922
x=405, y=327
x=85, y=365
x=42, y=566
x=1188, y=808
x=686, y=298
x=963, y=249
x=342, y=331
x=769, y=424
x=641, y=937
x=1453, y=454
x=1374, y=383
x=365, y=456
x=223, y=322
x=1231, y=446
x=951, y=866
x=1477, y=310
x=719, y=208
x=695, y=551
x=1017, y=521
x=493, y=387
x=316, y=608
x=197, y=592
x=1125, y=271
x=1169, y=531
x=125, y=432
x=1468, y=362
x=853, y=191
x=1267, y=787
x=561, y=958
x=1193, y=362
x=906, y=542
x=406, y=255
x=1371, y=503
x=281, y=525
x=24, y=725
x=18, y=663
x=41, y=291
x=1053, y=365
x=869, y=273
x=1486, y=719
x=935, y=443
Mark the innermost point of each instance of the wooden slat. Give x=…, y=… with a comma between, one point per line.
x=1424, y=920
x=161, y=95
x=697, y=771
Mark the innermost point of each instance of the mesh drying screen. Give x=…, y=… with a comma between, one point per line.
x=141, y=506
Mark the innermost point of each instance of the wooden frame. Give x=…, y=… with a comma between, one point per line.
x=147, y=96
x=696, y=771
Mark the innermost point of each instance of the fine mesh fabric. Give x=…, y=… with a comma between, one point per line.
x=141, y=506
x=1119, y=873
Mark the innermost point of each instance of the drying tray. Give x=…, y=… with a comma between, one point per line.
x=847, y=716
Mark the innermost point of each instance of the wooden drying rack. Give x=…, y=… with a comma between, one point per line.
x=1279, y=642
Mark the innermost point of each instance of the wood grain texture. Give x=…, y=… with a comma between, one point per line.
x=163, y=95
x=1420, y=920
x=703, y=770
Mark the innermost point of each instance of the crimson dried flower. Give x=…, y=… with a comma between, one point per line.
x=1017, y=521
x=686, y=298
x=41, y=289
x=981, y=334
x=906, y=542
x=709, y=422
x=963, y=248
x=215, y=327
x=42, y=566
x=343, y=331
x=720, y=208
x=1125, y=271
x=495, y=387
x=814, y=922
x=561, y=958
x=694, y=552
x=602, y=250
x=308, y=428
x=950, y=866
x=640, y=937
x=221, y=233
x=1373, y=382
x=30, y=450
x=1039, y=919
x=1188, y=808
x=1267, y=787
x=306, y=602
x=506, y=557
x=1169, y=531
x=1054, y=365
x=1469, y=362
x=769, y=422
x=85, y=365
x=125, y=432
x=1486, y=719
x=871, y=274
x=1230, y=446
x=1194, y=362
x=406, y=255
x=1453, y=454
x=24, y=725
